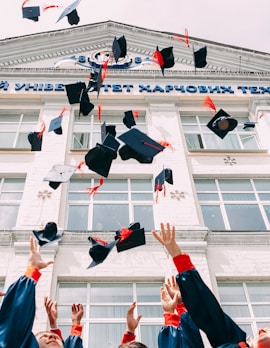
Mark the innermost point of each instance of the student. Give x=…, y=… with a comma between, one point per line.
x=201, y=303
x=178, y=331
x=17, y=312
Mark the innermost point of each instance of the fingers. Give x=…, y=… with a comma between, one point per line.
x=157, y=236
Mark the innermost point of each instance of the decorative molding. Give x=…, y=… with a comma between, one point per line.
x=176, y=194
x=230, y=160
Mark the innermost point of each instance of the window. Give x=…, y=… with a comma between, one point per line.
x=235, y=204
x=117, y=203
x=199, y=136
x=15, y=127
x=247, y=303
x=11, y=191
x=87, y=130
x=105, y=307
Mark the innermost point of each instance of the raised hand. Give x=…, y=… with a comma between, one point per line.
x=35, y=259
x=167, y=238
x=132, y=323
x=76, y=313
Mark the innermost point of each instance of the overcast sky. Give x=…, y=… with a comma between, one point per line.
x=242, y=23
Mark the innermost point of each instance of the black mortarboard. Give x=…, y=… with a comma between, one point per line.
x=200, y=57
x=85, y=105
x=35, y=139
x=99, y=159
x=107, y=129
x=71, y=13
x=249, y=124
x=139, y=146
x=165, y=58
x=99, y=250
x=222, y=123
x=165, y=175
x=74, y=92
x=119, y=48
x=55, y=125
x=130, y=237
x=48, y=235
x=59, y=173
x=31, y=12
x=95, y=81
x=128, y=119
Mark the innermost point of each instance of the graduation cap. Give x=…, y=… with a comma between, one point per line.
x=165, y=58
x=165, y=175
x=74, y=92
x=119, y=48
x=99, y=250
x=200, y=57
x=35, y=139
x=95, y=81
x=48, y=235
x=55, y=125
x=130, y=237
x=99, y=159
x=31, y=12
x=128, y=119
x=71, y=13
x=222, y=123
x=249, y=124
x=107, y=129
x=138, y=146
x=58, y=174
x=85, y=105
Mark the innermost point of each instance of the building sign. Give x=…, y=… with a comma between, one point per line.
x=140, y=88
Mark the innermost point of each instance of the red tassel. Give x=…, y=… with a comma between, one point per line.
x=165, y=143
x=25, y=1
x=125, y=233
x=42, y=130
x=93, y=190
x=209, y=102
x=63, y=110
x=98, y=240
x=104, y=70
x=136, y=114
x=261, y=115
x=153, y=146
x=79, y=166
x=45, y=8
x=157, y=58
x=186, y=40
x=99, y=112
x=242, y=344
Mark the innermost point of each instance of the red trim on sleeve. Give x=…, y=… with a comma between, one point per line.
x=76, y=330
x=181, y=308
x=171, y=319
x=32, y=272
x=183, y=263
x=57, y=332
x=128, y=338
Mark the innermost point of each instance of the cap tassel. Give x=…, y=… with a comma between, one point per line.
x=153, y=146
x=125, y=233
x=79, y=166
x=166, y=144
x=261, y=115
x=157, y=189
x=136, y=114
x=209, y=102
x=186, y=40
x=93, y=190
x=46, y=7
x=98, y=240
x=157, y=58
x=99, y=112
x=63, y=110
x=25, y=1
x=42, y=130
x=105, y=69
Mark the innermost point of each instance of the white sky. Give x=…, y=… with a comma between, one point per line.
x=242, y=23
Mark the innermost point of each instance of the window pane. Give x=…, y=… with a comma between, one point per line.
x=109, y=216
x=7, y=140
x=267, y=211
x=22, y=141
x=212, y=217
x=105, y=293
x=108, y=311
x=150, y=311
x=142, y=196
x=149, y=334
x=239, y=311
x=81, y=140
x=249, y=142
x=148, y=292
x=259, y=292
x=245, y=217
x=78, y=217
x=238, y=196
x=205, y=185
x=262, y=184
x=229, y=292
x=70, y=292
x=105, y=335
x=235, y=185
x=8, y=216
x=141, y=185
x=13, y=184
x=194, y=141
x=111, y=196
x=261, y=310
x=264, y=196
x=144, y=214
x=208, y=196
x=113, y=185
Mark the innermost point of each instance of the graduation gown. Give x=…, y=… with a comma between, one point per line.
x=17, y=314
x=204, y=308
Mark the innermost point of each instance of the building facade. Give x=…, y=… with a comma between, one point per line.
x=219, y=201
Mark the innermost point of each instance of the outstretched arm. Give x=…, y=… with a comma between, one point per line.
x=132, y=324
x=18, y=308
